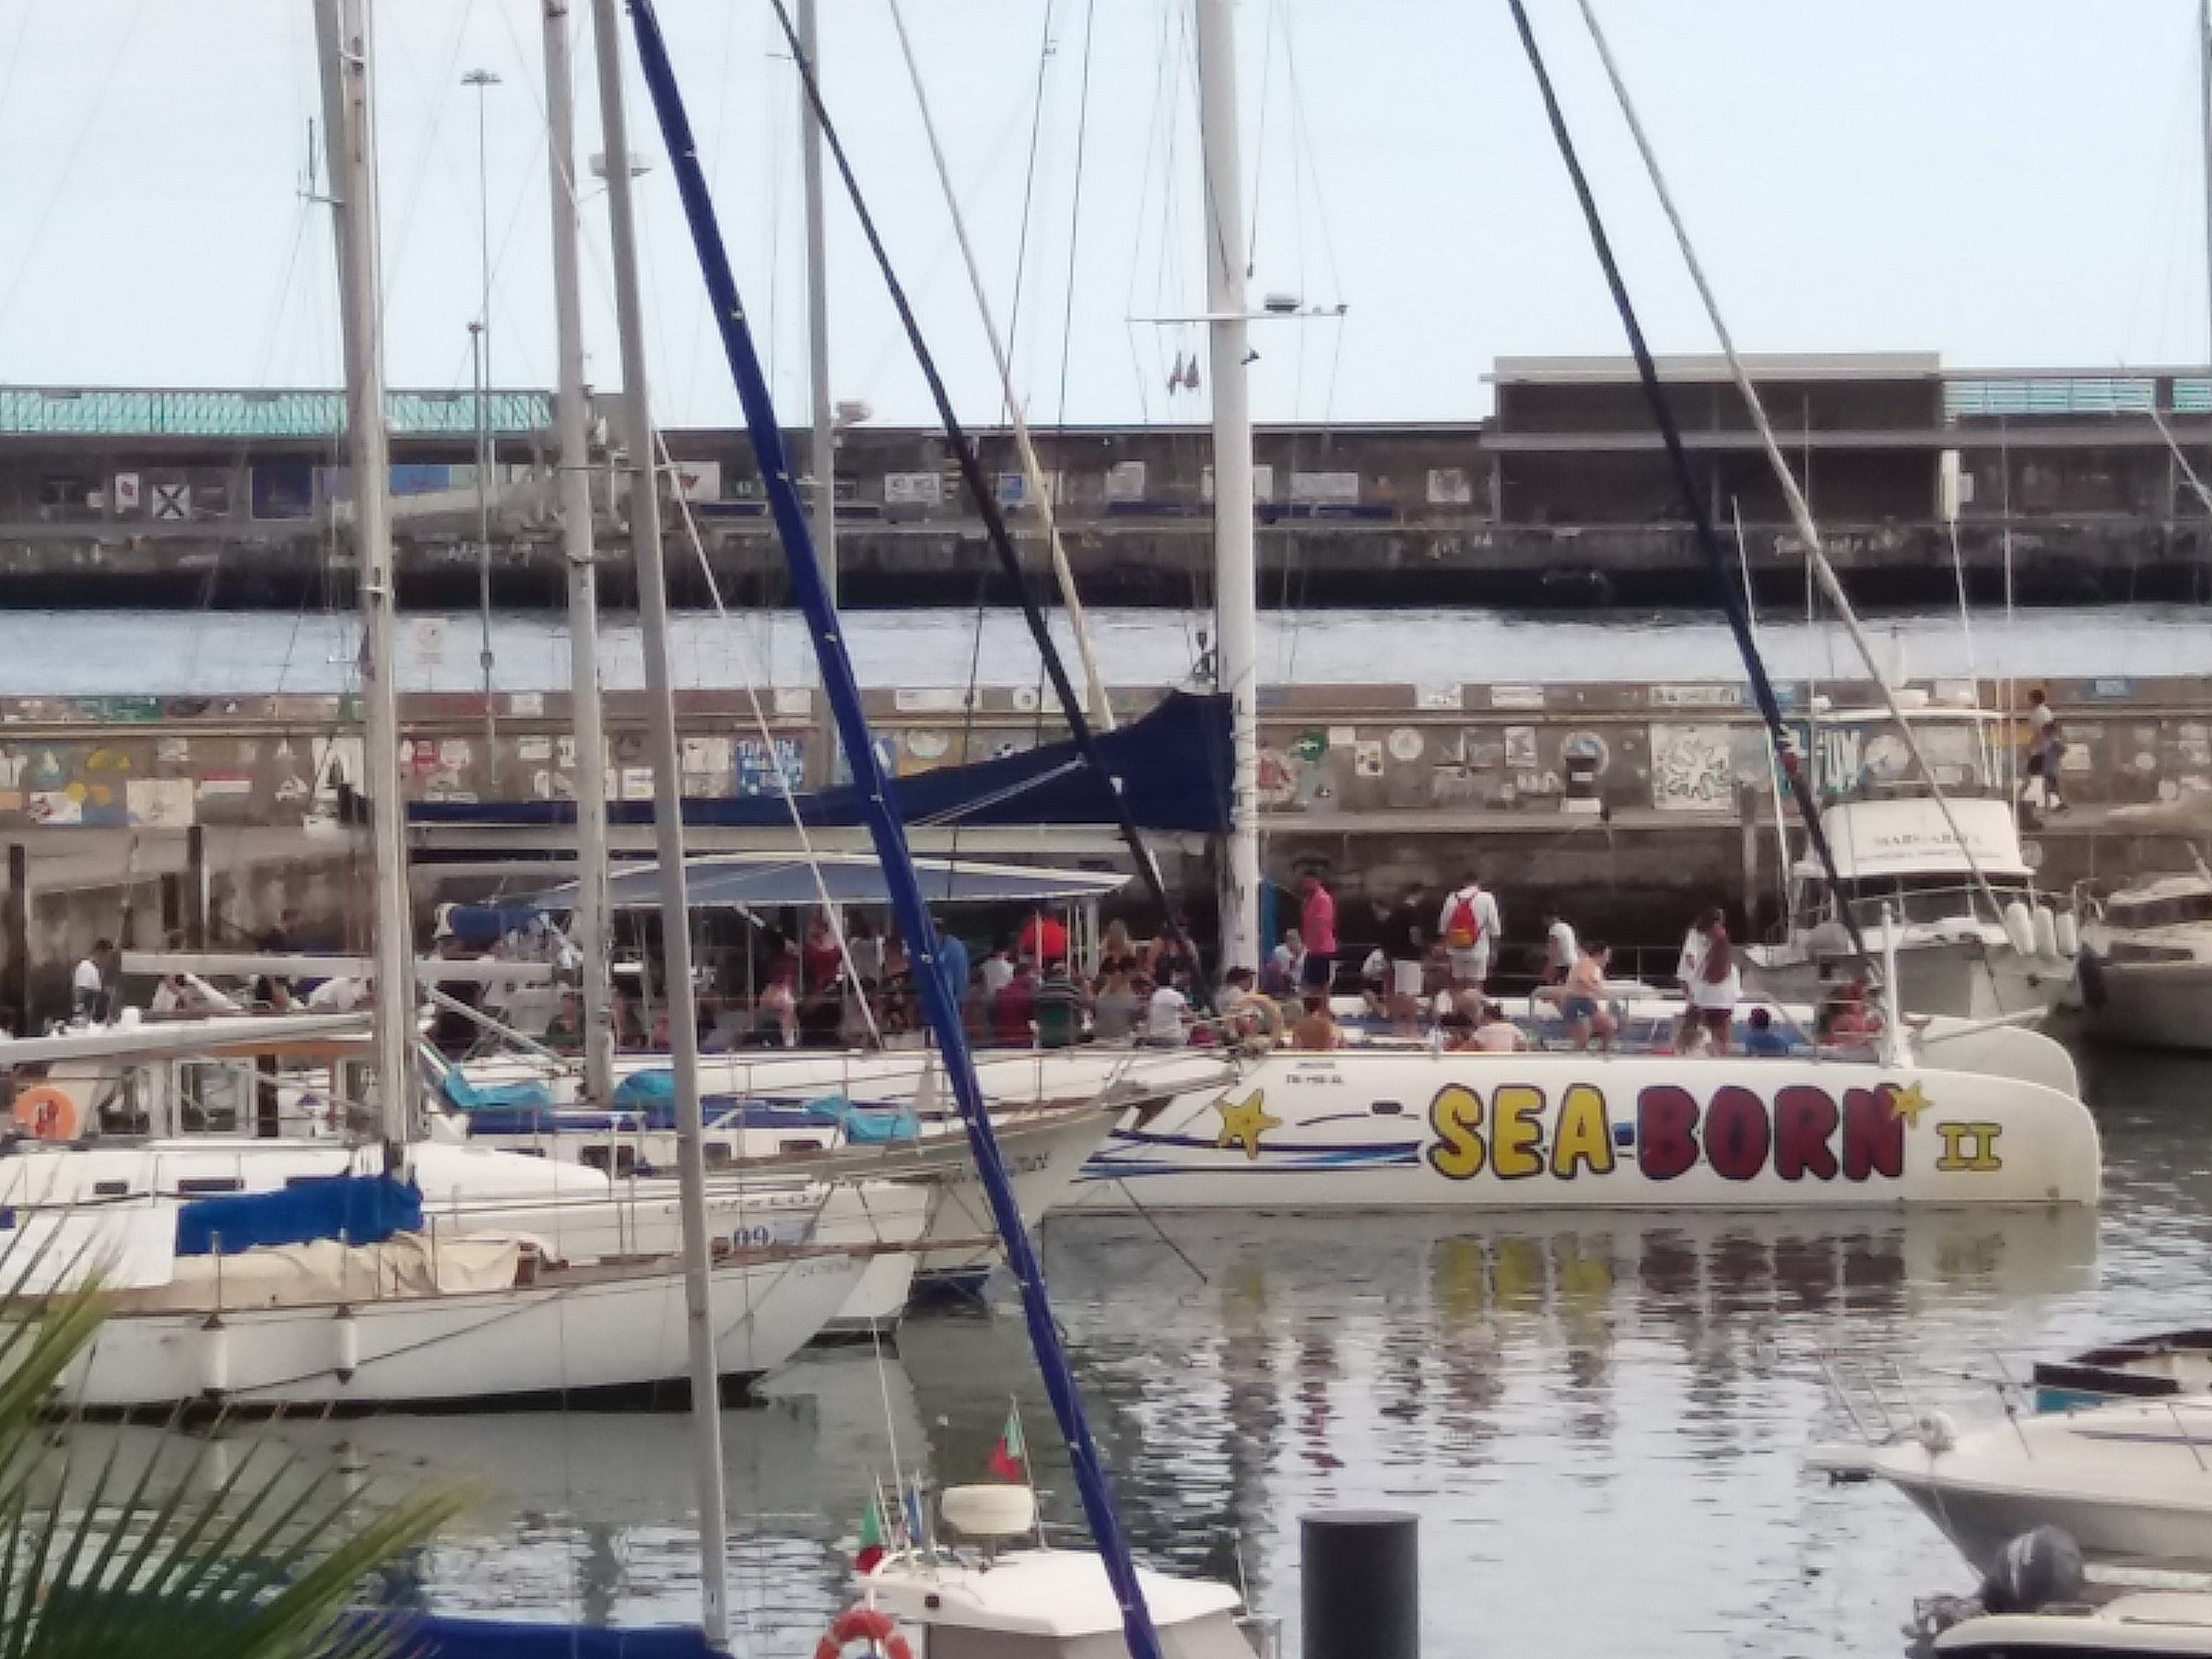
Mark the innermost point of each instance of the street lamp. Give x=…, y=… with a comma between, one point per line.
x=479, y=332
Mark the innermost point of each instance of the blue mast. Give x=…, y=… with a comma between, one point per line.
x=886, y=827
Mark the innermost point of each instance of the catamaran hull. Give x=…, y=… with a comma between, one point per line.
x=616, y=1339
x=1382, y=1130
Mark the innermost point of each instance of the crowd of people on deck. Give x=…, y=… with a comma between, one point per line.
x=1427, y=974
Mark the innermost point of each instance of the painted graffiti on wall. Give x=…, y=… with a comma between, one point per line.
x=1693, y=768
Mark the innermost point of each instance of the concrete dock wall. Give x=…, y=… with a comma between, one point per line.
x=1629, y=804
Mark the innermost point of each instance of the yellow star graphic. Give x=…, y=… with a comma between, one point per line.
x=1245, y=1122
x=1909, y=1103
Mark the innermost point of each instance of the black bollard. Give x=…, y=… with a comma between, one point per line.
x=1360, y=1584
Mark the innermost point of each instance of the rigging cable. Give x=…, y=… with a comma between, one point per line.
x=1801, y=514
x=1032, y=469
x=1028, y=181
x=883, y=813
x=1075, y=211
x=986, y=504
x=1693, y=498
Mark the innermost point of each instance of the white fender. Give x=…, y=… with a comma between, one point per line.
x=2070, y=935
x=2046, y=931
x=2020, y=927
x=346, y=1331
x=213, y=1354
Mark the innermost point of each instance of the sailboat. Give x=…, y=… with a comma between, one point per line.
x=333, y=1292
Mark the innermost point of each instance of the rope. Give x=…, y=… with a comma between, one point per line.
x=1801, y=515
x=768, y=743
x=986, y=502
x=1032, y=471
x=1693, y=499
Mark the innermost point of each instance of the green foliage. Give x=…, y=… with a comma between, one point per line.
x=104, y=1557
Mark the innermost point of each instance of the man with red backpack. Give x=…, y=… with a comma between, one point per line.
x=1469, y=926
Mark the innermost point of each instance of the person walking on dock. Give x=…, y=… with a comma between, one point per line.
x=90, y=998
x=1469, y=925
x=1317, y=926
x=2046, y=748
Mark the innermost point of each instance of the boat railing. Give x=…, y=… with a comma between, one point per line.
x=1932, y=904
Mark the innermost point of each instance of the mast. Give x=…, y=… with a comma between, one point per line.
x=1236, y=573
x=569, y=427
x=344, y=31
x=822, y=457
x=2204, y=87
x=886, y=829
x=668, y=828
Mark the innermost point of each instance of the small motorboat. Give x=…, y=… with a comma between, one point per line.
x=2131, y=1482
x=2146, y=952
x=1034, y=1602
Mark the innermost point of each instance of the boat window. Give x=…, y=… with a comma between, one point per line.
x=2175, y=910
x=200, y=1185
x=1870, y=761
x=212, y=1097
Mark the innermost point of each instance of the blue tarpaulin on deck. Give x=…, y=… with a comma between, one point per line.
x=427, y=1636
x=362, y=1209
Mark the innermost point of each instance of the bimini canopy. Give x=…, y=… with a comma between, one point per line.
x=756, y=881
x=1171, y=768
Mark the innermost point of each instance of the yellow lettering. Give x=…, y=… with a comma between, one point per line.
x=1585, y=1137
x=1518, y=1145
x=1456, y=1117
x=1970, y=1146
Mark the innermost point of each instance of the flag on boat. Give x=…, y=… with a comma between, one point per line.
x=1011, y=1457
x=870, y=1553
x=915, y=1534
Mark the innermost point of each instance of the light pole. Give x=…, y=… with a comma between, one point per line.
x=482, y=81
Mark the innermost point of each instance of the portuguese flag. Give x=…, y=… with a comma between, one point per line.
x=1011, y=1457
x=870, y=1553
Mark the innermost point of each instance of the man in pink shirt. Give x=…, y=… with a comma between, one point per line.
x=1317, y=925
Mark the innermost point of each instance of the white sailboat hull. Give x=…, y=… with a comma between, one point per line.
x=1393, y=1129
x=2154, y=1004
x=606, y=1335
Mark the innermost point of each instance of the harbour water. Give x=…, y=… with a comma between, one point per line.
x=1601, y=1420
x=102, y=653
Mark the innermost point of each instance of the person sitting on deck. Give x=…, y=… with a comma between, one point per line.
x=1495, y=1034
x=1762, y=1038
x=1316, y=1028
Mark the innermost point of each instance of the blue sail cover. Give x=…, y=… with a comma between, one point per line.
x=362, y=1209
x=1172, y=769
x=434, y=1636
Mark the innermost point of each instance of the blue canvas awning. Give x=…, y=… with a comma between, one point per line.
x=1171, y=770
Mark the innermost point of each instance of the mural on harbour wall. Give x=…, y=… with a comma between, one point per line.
x=165, y=762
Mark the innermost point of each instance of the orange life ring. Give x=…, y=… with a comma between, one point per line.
x=47, y=1113
x=862, y=1623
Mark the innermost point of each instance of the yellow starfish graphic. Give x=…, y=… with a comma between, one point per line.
x=1909, y=1103
x=1245, y=1122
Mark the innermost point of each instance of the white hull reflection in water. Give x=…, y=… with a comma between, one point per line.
x=133, y=653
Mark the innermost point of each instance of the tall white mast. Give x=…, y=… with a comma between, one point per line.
x=821, y=460
x=350, y=110
x=1236, y=575
x=2204, y=83
x=668, y=827
x=570, y=426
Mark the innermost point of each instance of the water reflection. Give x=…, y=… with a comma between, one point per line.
x=1601, y=1418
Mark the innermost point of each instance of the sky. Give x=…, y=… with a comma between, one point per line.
x=2010, y=182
